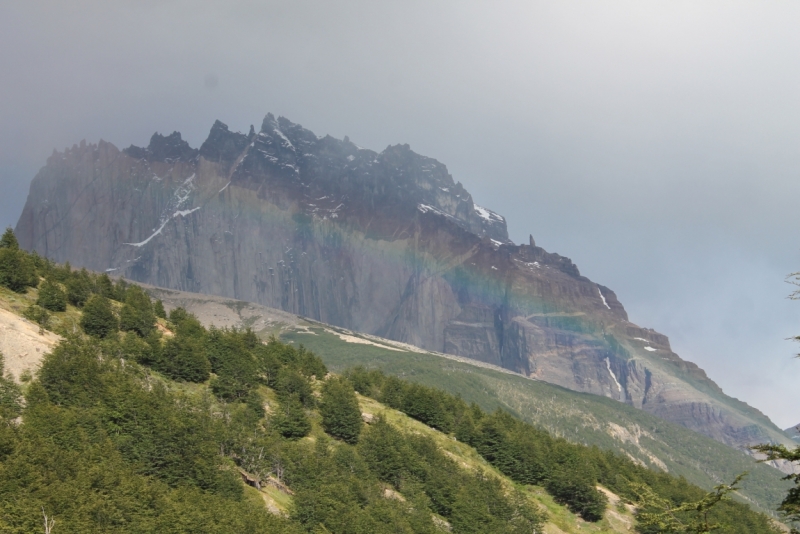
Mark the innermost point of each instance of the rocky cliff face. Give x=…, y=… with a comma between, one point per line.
x=384, y=243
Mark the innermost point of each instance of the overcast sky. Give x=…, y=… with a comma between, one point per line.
x=657, y=144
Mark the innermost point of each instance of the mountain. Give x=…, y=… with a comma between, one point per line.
x=109, y=437
x=384, y=243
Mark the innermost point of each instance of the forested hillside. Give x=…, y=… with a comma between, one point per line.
x=139, y=421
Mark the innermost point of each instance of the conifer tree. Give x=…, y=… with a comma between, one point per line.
x=158, y=309
x=9, y=240
x=341, y=415
x=98, y=318
x=51, y=297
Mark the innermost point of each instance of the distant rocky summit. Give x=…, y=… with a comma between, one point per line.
x=383, y=243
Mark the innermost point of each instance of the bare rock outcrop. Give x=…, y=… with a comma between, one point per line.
x=383, y=243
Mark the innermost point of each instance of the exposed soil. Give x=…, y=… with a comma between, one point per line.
x=22, y=345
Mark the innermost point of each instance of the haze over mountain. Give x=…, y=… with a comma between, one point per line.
x=654, y=144
x=383, y=243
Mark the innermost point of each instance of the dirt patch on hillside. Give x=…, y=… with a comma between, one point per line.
x=22, y=345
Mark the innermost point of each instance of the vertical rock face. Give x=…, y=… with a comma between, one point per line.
x=384, y=243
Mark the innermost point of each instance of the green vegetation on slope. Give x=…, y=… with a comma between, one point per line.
x=530, y=456
x=146, y=432
x=106, y=445
x=578, y=417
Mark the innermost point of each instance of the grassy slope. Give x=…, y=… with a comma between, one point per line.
x=579, y=417
x=617, y=519
x=560, y=519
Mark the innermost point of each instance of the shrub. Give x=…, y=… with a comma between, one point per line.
x=184, y=358
x=290, y=382
x=38, y=315
x=105, y=287
x=79, y=288
x=51, y=297
x=137, y=312
x=98, y=318
x=17, y=271
x=580, y=496
x=136, y=349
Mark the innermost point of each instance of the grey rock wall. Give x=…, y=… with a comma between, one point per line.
x=384, y=243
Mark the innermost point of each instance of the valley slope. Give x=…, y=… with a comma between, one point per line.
x=578, y=417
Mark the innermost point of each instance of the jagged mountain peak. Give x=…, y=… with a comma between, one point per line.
x=167, y=148
x=386, y=243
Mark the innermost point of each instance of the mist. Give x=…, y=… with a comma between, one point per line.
x=654, y=143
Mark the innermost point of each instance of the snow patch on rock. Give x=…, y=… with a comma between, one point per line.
x=604, y=299
x=488, y=215
x=608, y=366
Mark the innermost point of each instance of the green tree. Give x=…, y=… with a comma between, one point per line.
x=9, y=240
x=52, y=297
x=158, y=309
x=121, y=289
x=658, y=514
x=17, y=270
x=79, y=288
x=232, y=361
x=309, y=364
x=137, y=314
x=10, y=397
x=184, y=358
x=386, y=452
x=98, y=317
x=135, y=348
x=291, y=420
x=341, y=415
x=105, y=287
x=290, y=382
x=790, y=507
x=580, y=495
